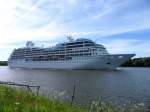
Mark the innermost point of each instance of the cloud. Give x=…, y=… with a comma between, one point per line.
x=118, y=46
x=39, y=20
x=74, y=16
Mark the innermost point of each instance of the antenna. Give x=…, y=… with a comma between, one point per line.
x=70, y=38
x=29, y=44
x=96, y=39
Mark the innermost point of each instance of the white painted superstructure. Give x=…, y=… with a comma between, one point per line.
x=75, y=54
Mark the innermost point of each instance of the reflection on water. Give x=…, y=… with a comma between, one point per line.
x=121, y=86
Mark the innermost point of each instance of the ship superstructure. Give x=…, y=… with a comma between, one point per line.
x=74, y=54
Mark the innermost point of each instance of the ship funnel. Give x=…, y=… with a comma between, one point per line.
x=29, y=44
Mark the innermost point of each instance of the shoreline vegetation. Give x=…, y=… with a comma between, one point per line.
x=3, y=63
x=135, y=62
x=16, y=100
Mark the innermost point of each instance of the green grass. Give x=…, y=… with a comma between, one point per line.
x=14, y=100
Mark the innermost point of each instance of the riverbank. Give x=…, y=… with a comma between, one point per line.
x=138, y=62
x=24, y=101
x=3, y=63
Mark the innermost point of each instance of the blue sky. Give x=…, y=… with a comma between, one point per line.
x=123, y=26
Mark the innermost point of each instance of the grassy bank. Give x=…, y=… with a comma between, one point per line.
x=12, y=100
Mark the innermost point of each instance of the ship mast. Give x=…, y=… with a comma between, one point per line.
x=70, y=38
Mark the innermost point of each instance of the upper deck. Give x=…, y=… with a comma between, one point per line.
x=61, y=51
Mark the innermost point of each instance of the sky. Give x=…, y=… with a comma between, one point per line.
x=122, y=26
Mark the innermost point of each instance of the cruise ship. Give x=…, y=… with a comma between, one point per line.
x=74, y=54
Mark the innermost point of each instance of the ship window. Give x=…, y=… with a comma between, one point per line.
x=120, y=57
x=108, y=63
x=111, y=57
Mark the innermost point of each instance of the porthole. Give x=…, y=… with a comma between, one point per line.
x=108, y=63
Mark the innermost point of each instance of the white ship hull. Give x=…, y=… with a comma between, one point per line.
x=85, y=62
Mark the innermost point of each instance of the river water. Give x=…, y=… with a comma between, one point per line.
x=120, y=86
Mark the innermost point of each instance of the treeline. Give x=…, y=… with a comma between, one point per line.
x=3, y=63
x=138, y=62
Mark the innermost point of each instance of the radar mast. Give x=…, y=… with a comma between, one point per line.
x=29, y=44
x=70, y=38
